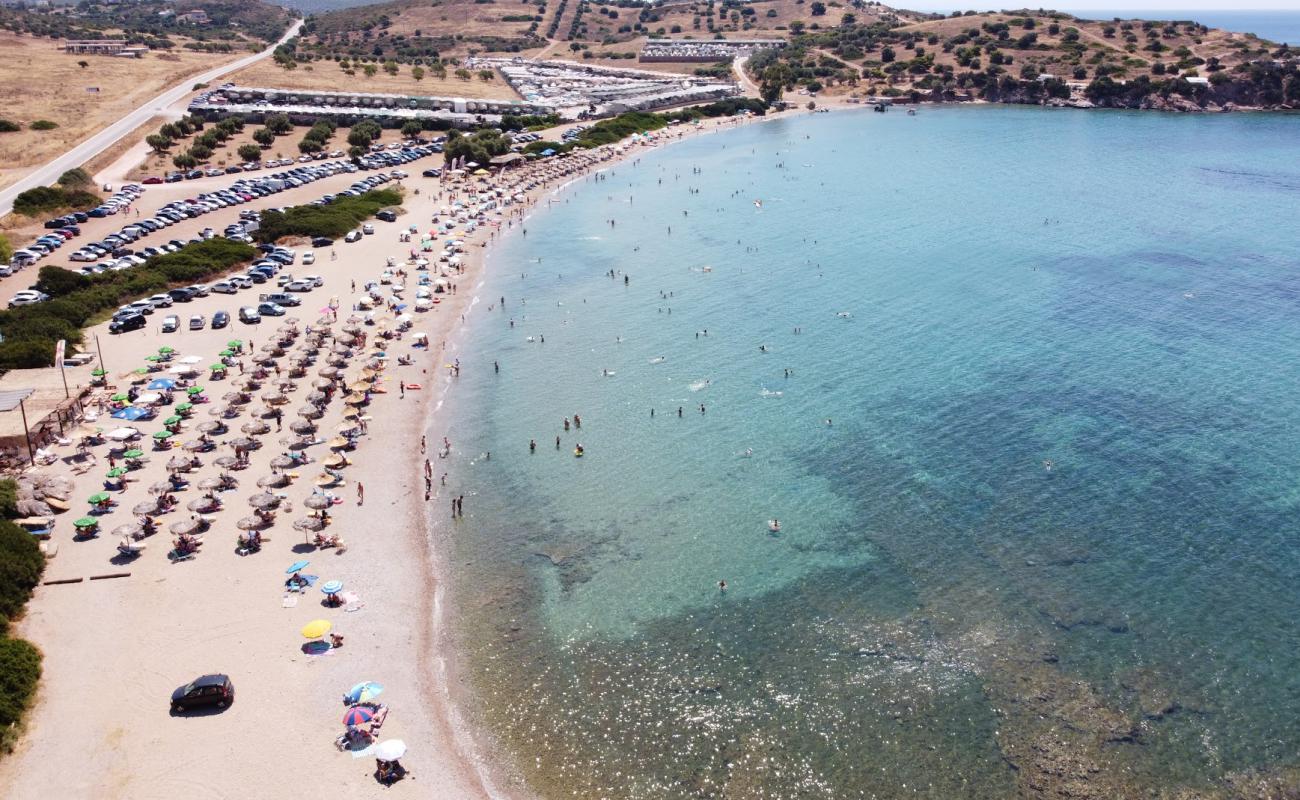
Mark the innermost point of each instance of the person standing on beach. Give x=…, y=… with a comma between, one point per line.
x=460, y=505
x=361, y=494
x=453, y=508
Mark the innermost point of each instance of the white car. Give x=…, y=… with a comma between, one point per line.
x=28, y=297
x=314, y=280
x=309, y=257
x=160, y=301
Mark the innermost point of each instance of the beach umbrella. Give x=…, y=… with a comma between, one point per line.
x=332, y=587
x=264, y=501
x=175, y=419
x=310, y=412
x=250, y=523
x=309, y=524
x=297, y=566
x=316, y=629
x=86, y=522
x=322, y=383
x=357, y=715
x=275, y=481
x=364, y=692
x=317, y=501
x=275, y=398
x=130, y=414
x=162, y=435
x=202, y=505
x=256, y=427
x=244, y=443
x=248, y=382
x=134, y=452
x=235, y=344
x=161, y=384
x=183, y=370
x=99, y=372
x=301, y=426
x=335, y=460
x=226, y=461
x=115, y=472
x=218, y=411
x=286, y=385
x=184, y=527
x=355, y=399
x=195, y=445
x=179, y=463
x=211, y=426
x=359, y=386
x=226, y=354
x=211, y=483
x=193, y=390
x=183, y=407
x=235, y=397
x=217, y=367
x=129, y=529
x=282, y=462
x=97, y=498
x=316, y=398
x=139, y=371
x=340, y=443
x=336, y=361
x=166, y=350
x=328, y=372
x=190, y=360
x=146, y=508
x=161, y=487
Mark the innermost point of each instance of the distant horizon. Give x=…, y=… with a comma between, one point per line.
x=1082, y=6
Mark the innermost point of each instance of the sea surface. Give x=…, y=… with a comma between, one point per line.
x=1020, y=386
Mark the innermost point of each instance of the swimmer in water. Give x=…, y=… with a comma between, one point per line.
x=1047, y=464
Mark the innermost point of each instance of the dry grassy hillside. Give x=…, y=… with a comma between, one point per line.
x=62, y=94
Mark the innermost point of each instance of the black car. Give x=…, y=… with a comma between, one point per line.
x=208, y=690
x=321, y=241
x=181, y=295
x=386, y=216
x=220, y=319
x=431, y=173
x=130, y=322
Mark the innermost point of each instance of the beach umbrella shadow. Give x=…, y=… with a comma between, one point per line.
x=316, y=648
x=304, y=548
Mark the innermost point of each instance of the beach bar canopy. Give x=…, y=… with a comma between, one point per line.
x=11, y=399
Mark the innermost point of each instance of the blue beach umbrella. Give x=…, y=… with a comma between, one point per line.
x=332, y=587
x=364, y=692
x=296, y=566
x=162, y=383
x=357, y=715
x=131, y=413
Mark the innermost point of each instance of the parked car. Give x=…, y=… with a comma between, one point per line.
x=130, y=322
x=353, y=236
x=197, y=322
x=308, y=258
x=220, y=320
x=386, y=216
x=224, y=287
x=321, y=241
x=170, y=323
x=367, y=229
x=28, y=297
x=270, y=310
x=249, y=316
x=206, y=690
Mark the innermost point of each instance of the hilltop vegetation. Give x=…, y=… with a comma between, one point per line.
x=232, y=24
x=1033, y=57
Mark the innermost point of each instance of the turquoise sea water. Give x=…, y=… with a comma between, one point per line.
x=981, y=294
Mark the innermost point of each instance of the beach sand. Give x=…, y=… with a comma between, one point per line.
x=115, y=649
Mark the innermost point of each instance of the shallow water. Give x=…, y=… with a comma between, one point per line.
x=1036, y=460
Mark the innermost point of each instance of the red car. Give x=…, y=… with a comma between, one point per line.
x=152, y=179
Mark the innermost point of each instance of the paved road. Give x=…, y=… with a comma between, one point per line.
x=79, y=155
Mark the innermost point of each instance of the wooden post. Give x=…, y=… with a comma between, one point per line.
x=26, y=433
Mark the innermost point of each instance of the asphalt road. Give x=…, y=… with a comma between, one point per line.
x=46, y=174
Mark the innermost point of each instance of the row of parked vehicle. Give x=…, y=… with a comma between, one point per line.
x=132, y=316
x=67, y=227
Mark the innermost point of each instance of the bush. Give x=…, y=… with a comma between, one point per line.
x=75, y=178
x=8, y=498
x=20, y=669
x=43, y=125
x=9, y=126
x=43, y=199
x=333, y=219
x=21, y=566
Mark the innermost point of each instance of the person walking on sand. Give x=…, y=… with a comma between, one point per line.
x=361, y=494
x=422, y=449
x=460, y=505
x=453, y=508
x=401, y=388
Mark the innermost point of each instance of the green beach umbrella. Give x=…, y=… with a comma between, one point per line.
x=193, y=390
x=184, y=407
x=163, y=435
x=86, y=522
x=97, y=498
x=218, y=367
x=226, y=353
x=153, y=359
x=235, y=343
x=165, y=350
x=121, y=398
x=98, y=372
x=172, y=420
x=140, y=371
x=115, y=472
x=133, y=454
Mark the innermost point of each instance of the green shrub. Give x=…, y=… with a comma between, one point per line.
x=43, y=125
x=75, y=178
x=333, y=219
x=8, y=498
x=21, y=565
x=43, y=199
x=9, y=126
x=20, y=670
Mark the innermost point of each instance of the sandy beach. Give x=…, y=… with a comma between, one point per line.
x=115, y=649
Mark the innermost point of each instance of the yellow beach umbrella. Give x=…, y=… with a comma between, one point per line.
x=316, y=628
